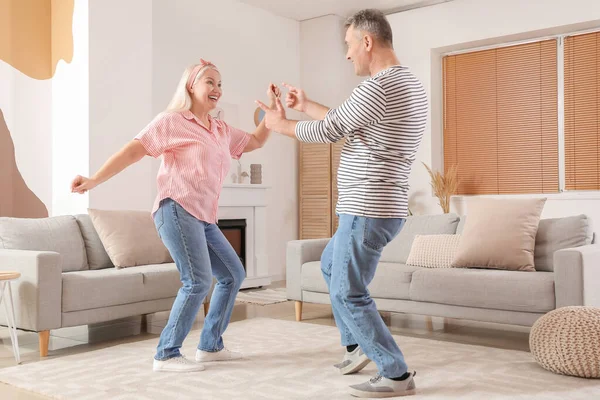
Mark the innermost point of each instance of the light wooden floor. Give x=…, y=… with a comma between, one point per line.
x=69, y=341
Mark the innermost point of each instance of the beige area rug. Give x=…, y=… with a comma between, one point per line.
x=293, y=360
x=263, y=297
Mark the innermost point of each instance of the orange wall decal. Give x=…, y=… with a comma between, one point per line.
x=16, y=199
x=36, y=34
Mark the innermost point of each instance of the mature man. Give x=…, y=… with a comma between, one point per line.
x=383, y=123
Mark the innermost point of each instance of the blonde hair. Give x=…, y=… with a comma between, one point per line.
x=182, y=100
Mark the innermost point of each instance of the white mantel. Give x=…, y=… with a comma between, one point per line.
x=249, y=202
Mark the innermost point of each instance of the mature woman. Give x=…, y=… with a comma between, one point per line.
x=196, y=154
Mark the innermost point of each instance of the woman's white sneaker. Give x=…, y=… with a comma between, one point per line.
x=223, y=355
x=177, y=364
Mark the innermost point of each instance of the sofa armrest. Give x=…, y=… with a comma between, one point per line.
x=37, y=294
x=577, y=276
x=298, y=253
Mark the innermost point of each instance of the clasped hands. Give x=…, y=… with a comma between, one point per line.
x=275, y=115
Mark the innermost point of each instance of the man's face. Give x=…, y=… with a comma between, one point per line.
x=357, y=52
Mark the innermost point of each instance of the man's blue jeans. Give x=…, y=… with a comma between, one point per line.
x=348, y=264
x=200, y=250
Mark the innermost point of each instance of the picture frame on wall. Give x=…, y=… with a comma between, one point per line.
x=259, y=114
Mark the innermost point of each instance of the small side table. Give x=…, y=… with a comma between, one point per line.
x=6, y=296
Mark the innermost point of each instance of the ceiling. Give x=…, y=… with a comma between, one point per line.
x=301, y=10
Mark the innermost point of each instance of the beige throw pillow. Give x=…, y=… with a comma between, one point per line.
x=129, y=237
x=433, y=251
x=500, y=233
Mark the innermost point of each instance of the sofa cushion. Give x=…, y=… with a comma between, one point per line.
x=560, y=233
x=129, y=237
x=91, y=289
x=59, y=234
x=397, y=250
x=391, y=281
x=96, y=254
x=485, y=288
x=500, y=233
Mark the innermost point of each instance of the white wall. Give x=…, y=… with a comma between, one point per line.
x=421, y=35
x=326, y=76
x=120, y=97
x=70, y=119
x=251, y=47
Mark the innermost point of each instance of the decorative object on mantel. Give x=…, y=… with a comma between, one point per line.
x=444, y=185
x=256, y=174
x=239, y=177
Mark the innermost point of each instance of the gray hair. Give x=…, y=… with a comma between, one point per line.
x=374, y=22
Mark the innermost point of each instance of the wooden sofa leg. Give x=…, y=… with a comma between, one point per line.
x=429, y=324
x=298, y=311
x=206, y=307
x=44, y=337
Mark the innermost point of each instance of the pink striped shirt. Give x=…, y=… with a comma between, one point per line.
x=195, y=160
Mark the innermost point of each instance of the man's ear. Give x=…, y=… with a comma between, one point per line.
x=368, y=42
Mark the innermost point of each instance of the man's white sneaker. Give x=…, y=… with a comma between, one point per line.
x=223, y=355
x=353, y=362
x=380, y=387
x=177, y=364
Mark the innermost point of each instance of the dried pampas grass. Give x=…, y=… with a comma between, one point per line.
x=444, y=186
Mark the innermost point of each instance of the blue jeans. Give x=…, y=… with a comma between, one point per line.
x=198, y=248
x=348, y=264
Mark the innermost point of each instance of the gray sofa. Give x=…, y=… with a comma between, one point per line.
x=67, y=278
x=567, y=273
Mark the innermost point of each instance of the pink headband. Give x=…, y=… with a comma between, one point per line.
x=196, y=70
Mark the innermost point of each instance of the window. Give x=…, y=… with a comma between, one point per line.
x=503, y=113
x=582, y=69
x=501, y=119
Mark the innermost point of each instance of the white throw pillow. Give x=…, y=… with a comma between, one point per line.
x=433, y=251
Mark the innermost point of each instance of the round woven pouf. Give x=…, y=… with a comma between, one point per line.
x=567, y=341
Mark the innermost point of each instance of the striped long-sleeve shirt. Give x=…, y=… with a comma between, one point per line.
x=383, y=123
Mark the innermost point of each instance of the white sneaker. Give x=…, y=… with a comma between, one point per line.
x=177, y=364
x=380, y=387
x=223, y=355
x=353, y=362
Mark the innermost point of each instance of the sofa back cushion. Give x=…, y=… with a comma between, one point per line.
x=461, y=224
x=399, y=248
x=59, y=234
x=560, y=233
x=500, y=233
x=555, y=234
x=96, y=254
x=129, y=237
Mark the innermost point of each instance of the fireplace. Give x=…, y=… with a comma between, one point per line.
x=235, y=232
x=247, y=203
